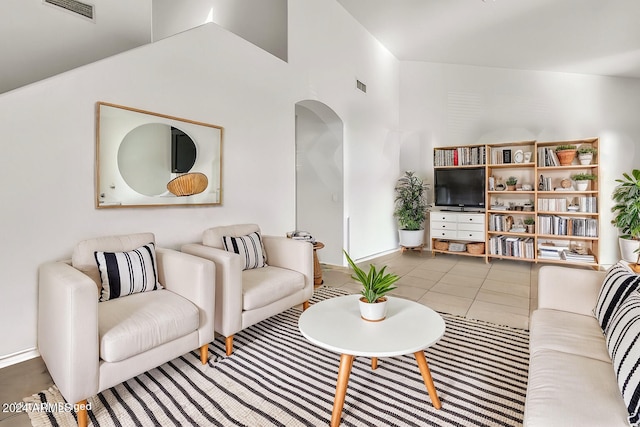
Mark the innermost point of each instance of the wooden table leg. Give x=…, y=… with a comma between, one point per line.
x=346, y=361
x=428, y=380
x=374, y=363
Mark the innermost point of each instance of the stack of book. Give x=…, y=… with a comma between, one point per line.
x=574, y=256
x=550, y=251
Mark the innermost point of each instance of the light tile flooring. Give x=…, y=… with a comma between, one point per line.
x=502, y=292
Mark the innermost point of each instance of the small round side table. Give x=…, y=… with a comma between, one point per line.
x=317, y=270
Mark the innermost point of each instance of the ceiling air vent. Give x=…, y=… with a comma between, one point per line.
x=83, y=9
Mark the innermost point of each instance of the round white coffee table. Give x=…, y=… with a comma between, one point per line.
x=335, y=324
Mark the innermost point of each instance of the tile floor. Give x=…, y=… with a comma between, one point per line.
x=502, y=292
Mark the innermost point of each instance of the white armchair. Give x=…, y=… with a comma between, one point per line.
x=89, y=346
x=245, y=297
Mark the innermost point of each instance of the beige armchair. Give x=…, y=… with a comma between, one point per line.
x=245, y=297
x=89, y=346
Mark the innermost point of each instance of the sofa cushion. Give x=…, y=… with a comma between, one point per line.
x=567, y=332
x=618, y=284
x=126, y=273
x=139, y=322
x=623, y=342
x=569, y=390
x=84, y=259
x=249, y=248
x=261, y=287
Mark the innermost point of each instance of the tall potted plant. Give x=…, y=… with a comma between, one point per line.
x=627, y=209
x=410, y=209
x=375, y=285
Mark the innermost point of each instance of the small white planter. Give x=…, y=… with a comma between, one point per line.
x=627, y=249
x=585, y=158
x=582, y=185
x=373, y=312
x=411, y=238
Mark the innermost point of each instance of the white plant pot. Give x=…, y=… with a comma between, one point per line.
x=582, y=185
x=373, y=312
x=411, y=238
x=627, y=249
x=585, y=159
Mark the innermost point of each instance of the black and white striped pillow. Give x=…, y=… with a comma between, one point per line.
x=126, y=273
x=623, y=343
x=618, y=284
x=249, y=247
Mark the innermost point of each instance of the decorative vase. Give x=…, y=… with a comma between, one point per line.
x=373, y=311
x=628, y=248
x=531, y=228
x=511, y=188
x=582, y=185
x=411, y=238
x=565, y=157
x=585, y=158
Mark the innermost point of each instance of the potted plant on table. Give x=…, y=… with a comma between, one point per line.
x=627, y=210
x=566, y=154
x=375, y=285
x=585, y=154
x=410, y=209
x=582, y=180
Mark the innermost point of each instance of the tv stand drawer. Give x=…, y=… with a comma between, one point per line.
x=444, y=234
x=477, y=236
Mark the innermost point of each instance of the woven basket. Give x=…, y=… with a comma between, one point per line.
x=441, y=245
x=475, y=248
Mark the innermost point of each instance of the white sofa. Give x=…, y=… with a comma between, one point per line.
x=571, y=377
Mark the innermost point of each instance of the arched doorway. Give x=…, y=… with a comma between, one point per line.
x=320, y=177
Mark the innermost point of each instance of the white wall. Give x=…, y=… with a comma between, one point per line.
x=444, y=105
x=208, y=75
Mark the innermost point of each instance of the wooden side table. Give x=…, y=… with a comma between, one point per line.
x=317, y=270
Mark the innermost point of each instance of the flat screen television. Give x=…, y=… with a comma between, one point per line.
x=460, y=187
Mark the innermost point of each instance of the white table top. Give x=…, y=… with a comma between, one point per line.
x=335, y=324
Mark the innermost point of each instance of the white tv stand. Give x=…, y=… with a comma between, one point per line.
x=465, y=226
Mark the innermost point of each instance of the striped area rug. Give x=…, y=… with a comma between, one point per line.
x=277, y=378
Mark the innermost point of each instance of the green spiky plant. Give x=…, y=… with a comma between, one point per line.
x=376, y=284
x=411, y=202
x=627, y=206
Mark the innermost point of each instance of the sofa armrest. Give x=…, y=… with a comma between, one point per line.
x=194, y=279
x=569, y=289
x=292, y=254
x=228, y=289
x=68, y=329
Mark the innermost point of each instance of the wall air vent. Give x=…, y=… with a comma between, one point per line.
x=361, y=86
x=83, y=9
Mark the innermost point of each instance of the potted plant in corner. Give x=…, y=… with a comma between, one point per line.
x=627, y=217
x=375, y=285
x=585, y=154
x=582, y=180
x=566, y=154
x=411, y=209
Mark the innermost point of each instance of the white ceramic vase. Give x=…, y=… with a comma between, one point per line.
x=411, y=238
x=582, y=185
x=585, y=158
x=627, y=249
x=373, y=312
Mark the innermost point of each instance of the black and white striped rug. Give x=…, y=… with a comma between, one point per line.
x=277, y=378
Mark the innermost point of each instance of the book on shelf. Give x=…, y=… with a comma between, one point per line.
x=566, y=226
x=518, y=247
x=570, y=255
x=547, y=157
x=459, y=156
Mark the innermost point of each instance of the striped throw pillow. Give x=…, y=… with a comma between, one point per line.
x=126, y=273
x=623, y=343
x=618, y=284
x=249, y=247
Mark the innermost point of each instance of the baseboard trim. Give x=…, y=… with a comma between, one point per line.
x=21, y=356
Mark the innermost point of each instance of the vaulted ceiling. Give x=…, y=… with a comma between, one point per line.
x=576, y=36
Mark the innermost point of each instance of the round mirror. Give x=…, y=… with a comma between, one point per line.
x=150, y=153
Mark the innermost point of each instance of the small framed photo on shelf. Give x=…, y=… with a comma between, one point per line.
x=506, y=156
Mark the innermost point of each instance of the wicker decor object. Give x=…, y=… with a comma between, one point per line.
x=441, y=245
x=475, y=248
x=188, y=184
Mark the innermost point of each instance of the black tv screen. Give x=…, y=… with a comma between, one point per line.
x=462, y=187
